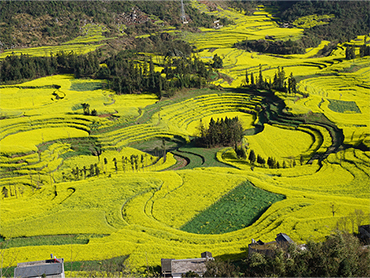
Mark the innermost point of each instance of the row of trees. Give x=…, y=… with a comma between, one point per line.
x=128, y=163
x=279, y=83
x=223, y=132
x=14, y=68
x=275, y=47
x=126, y=71
x=272, y=163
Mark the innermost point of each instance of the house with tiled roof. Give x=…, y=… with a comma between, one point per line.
x=53, y=268
x=177, y=268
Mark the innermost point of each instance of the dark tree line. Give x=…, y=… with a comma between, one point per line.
x=127, y=163
x=15, y=68
x=127, y=75
x=127, y=72
x=279, y=83
x=224, y=132
x=275, y=47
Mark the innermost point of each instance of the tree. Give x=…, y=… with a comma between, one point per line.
x=260, y=160
x=246, y=77
x=84, y=170
x=97, y=170
x=92, y=170
x=217, y=62
x=115, y=164
x=86, y=108
x=252, y=156
x=350, y=53
x=281, y=78
x=219, y=268
x=94, y=112
x=292, y=84
x=4, y=191
x=240, y=152
x=260, y=79
x=271, y=162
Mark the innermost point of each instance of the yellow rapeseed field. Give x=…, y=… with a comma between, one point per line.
x=135, y=205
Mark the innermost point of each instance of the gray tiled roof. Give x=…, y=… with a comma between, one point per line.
x=37, y=269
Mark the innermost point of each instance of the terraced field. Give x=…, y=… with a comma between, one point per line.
x=130, y=181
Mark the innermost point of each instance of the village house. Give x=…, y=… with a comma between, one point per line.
x=176, y=268
x=53, y=268
x=268, y=248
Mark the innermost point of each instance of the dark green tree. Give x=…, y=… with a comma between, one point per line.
x=86, y=108
x=4, y=191
x=252, y=156
x=217, y=62
x=350, y=53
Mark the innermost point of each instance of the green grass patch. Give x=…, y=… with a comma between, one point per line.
x=209, y=155
x=240, y=208
x=101, y=268
x=46, y=240
x=342, y=106
x=86, y=86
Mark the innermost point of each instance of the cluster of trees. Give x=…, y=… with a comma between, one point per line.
x=223, y=132
x=86, y=109
x=126, y=71
x=248, y=7
x=129, y=76
x=340, y=255
x=276, y=47
x=364, y=51
x=83, y=173
x=14, y=68
x=279, y=83
x=165, y=44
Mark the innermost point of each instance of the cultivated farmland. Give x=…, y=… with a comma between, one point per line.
x=130, y=181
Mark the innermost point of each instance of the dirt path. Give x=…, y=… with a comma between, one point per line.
x=182, y=162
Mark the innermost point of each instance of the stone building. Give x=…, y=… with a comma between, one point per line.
x=176, y=268
x=53, y=268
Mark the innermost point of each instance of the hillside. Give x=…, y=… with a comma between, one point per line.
x=128, y=136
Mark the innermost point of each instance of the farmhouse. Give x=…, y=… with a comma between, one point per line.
x=268, y=248
x=176, y=268
x=53, y=268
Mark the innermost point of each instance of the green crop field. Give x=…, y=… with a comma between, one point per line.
x=240, y=208
x=131, y=180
